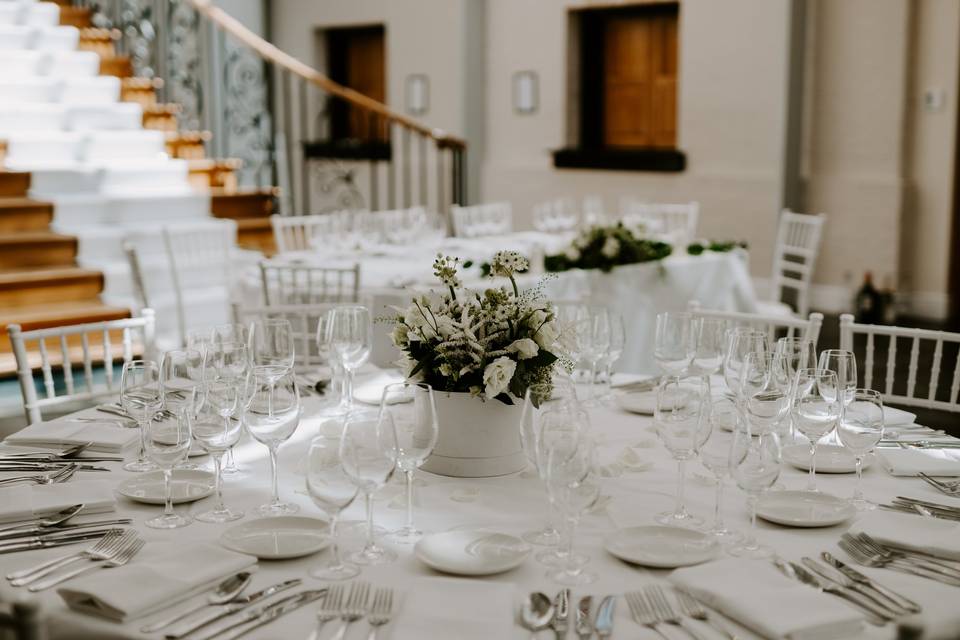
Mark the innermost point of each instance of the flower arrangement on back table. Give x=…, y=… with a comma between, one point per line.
x=605, y=247
x=492, y=344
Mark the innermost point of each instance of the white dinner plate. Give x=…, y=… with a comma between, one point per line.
x=471, y=552
x=662, y=547
x=804, y=508
x=641, y=402
x=278, y=538
x=186, y=485
x=831, y=458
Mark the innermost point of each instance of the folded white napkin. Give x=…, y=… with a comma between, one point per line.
x=893, y=417
x=759, y=597
x=937, y=537
x=370, y=390
x=156, y=578
x=26, y=502
x=455, y=608
x=910, y=462
x=104, y=437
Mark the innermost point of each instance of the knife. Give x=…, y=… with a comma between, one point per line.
x=229, y=609
x=584, y=627
x=841, y=580
x=604, y=621
x=38, y=543
x=872, y=614
x=28, y=532
x=561, y=614
x=264, y=615
x=901, y=601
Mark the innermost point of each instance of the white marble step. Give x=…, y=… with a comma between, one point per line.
x=17, y=63
x=59, y=38
x=73, y=211
x=44, y=148
x=15, y=12
x=39, y=150
x=126, y=117
x=111, y=145
x=68, y=90
x=21, y=118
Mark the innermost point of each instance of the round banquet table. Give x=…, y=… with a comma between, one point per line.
x=633, y=494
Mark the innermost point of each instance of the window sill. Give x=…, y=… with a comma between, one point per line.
x=620, y=159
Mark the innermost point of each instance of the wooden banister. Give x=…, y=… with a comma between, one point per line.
x=274, y=55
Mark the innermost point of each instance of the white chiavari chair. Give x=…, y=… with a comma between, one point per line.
x=287, y=283
x=907, y=393
x=84, y=346
x=475, y=221
x=794, y=258
x=674, y=222
x=556, y=216
x=303, y=320
x=402, y=226
x=775, y=326
x=302, y=233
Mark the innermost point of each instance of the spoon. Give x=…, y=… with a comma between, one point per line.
x=537, y=613
x=57, y=518
x=223, y=593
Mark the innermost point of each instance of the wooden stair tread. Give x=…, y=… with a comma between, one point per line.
x=188, y=137
x=214, y=164
x=31, y=276
x=55, y=314
x=36, y=237
x=141, y=83
x=243, y=202
x=119, y=66
x=164, y=109
x=73, y=16
x=14, y=184
x=23, y=202
x=254, y=224
x=99, y=33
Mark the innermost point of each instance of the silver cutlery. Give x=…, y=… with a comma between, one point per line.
x=380, y=611
x=55, y=460
x=62, y=475
x=537, y=612
x=222, y=593
x=665, y=611
x=118, y=560
x=869, y=558
x=266, y=614
x=29, y=544
x=640, y=385
x=52, y=520
x=694, y=609
x=123, y=424
x=354, y=608
x=834, y=576
x=642, y=613
x=561, y=614
x=603, y=624
x=237, y=605
x=62, y=453
x=930, y=444
x=11, y=536
x=329, y=609
x=891, y=595
x=100, y=551
x=47, y=466
x=925, y=559
x=873, y=614
x=583, y=624
x=946, y=488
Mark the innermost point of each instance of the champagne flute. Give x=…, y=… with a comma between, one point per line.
x=272, y=414
x=368, y=453
x=740, y=342
x=350, y=335
x=860, y=430
x=167, y=444
x=710, y=345
x=573, y=482
x=724, y=421
x=682, y=406
x=332, y=491
x=141, y=398
x=755, y=464
x=675, y=342
x=815, y=411
x=217, y=430
x=414, y=414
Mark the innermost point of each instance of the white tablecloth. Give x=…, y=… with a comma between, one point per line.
x=512, y=504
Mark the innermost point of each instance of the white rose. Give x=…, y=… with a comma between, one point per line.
x=572, y=254
x=546, y=332
x=497, y=375
x=525, y=348
x=611, y=248
x=399, y=335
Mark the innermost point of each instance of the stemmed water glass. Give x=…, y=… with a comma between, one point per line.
x=860, y=430
x=797, y=354
x=573, y=319
x=334, y=398
x=272, y=414
x=681, y=409
x=271, y=350
x=595, y=343
x=675, y=342
x=415, y=419
x=815, y=411
x=228, y=361
x=741, y=341
x=141, y=398
x=710, y=336
x=332, y=491
x=181, y=375
x=764, y=392
x=228, y=333
x=368, y=453
x=724, y=421
x=216, y=430
x=844, y=364
x=618, y=341
x=167, y=444
x=350, y=335
x=755, y=464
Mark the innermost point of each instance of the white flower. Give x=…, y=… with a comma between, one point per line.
x=507, y=263
x=399, y=335
x=525, y=348
x=572, y=253
x=497, y=375
x=611, y=248
x=546, y=332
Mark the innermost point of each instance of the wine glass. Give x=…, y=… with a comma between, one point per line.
x=228, y=333
x=724, y=421
x=350, y=335
x=860, y=430
x=764, y=394
x=595, y=344
x=272, y=414
x=710, y=345
x=167, y=444
x=141, y=398
x=332, y=491
x=574, y=485
x=815, y=411
x=675, y=342
x=181, y=371
x=618, y=341
x=334, y=398
x=682, y=406
x=755, y=464
x=368, y=453
x=270, y=349
x=217, y=430
x=198, y=340
x=573, y=319
x=740, y=342
x=228, y=361
x=797, y=354
x=844, y=364
x=414, y=416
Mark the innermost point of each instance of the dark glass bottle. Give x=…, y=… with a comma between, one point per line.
x=869, y=304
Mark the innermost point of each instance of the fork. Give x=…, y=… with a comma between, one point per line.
x=329, y=609
x=926, y=560
x=692, y=607
x=642, y=613
x=103, y=550
x=355, y=607
x=122, y=558
x=948, y=488
x=868, y=558
x=64, y=474
x=381, y=611
x=665, y=610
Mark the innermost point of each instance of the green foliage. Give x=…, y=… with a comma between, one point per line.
x=607, y=247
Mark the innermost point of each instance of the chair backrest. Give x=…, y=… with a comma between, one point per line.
x=83, y=345
x=919, y=389
x=25, y=619
x=775, y=326
x=200, y=256
x=677, y=222
x=287, y=283
x=795, y=255
x=492, y=219
x=136, y=275
x=299, y=233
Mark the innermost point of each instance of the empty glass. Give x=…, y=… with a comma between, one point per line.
x=711, y=343
x=332, y=491
x=217, y=430
x=764, y=392
x=815, y=411
x=681, y=418
x=595, y=343
x=844, y=364
x=229, y=333
x=860, y=430
x=271, y=349
x=350, y=335
x=228, y=361
x=272, y=414
x=618, y=341
x=181, y=371
x=574, y=320
x=574, y=486
x=740, y=342
x=797, y=353
x=415, y=420
x=368, y=452
x=334, y=399
x=167, y=444
x=675, y=342
x=142, y=398
x=715, y=455
x=755, y=465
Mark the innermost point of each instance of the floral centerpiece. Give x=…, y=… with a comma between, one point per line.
x=605, y=247
x=697, y=248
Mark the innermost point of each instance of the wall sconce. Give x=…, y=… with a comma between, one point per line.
x=418, y=94
x=526, y=92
